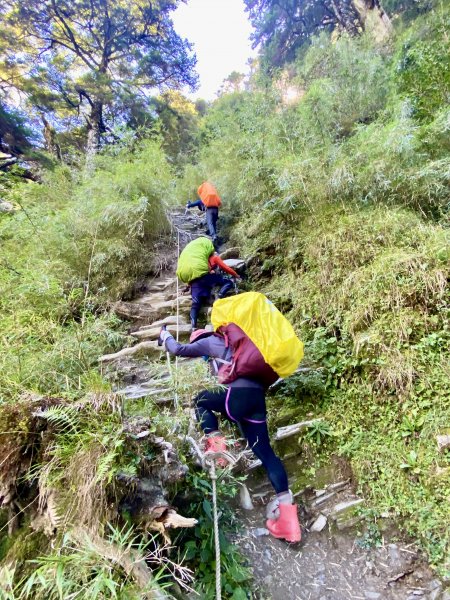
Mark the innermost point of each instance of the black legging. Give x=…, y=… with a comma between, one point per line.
x=201, y=289
x=247, y=407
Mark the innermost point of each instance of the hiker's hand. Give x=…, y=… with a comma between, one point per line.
x=238, y=279
x=163, y=335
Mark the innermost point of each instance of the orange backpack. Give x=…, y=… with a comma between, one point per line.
x=208, y=195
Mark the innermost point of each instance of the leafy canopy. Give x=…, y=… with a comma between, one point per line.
x=281, y=27
x=78, y=56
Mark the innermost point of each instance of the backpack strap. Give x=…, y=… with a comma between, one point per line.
x=222, y=361
x=226, y=338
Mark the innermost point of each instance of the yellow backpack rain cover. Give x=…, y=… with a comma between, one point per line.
x=263, y=323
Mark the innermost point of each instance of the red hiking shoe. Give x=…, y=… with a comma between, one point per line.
x=287, y=526
x=216, y=443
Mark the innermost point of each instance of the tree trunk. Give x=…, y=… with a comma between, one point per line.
x=94, y=129
x=51, y=145
x=373, y=18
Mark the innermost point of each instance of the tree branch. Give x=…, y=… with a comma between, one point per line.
x=85, y=56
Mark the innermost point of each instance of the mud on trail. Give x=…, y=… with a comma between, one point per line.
x=334, y=560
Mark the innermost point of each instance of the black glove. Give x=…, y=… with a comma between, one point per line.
x=162, y=335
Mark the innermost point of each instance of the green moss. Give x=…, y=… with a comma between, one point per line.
x=23, y=546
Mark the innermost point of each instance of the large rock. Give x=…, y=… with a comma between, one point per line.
x=235, y=263
x=230, y=253
x=6, y=207
x=443, y=442
x=345, y=514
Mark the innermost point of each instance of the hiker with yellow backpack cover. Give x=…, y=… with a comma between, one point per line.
x=252, y=345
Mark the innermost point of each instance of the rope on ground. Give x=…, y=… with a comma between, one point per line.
x=213, y=476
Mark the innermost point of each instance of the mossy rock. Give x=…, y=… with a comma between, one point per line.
x=22, y=547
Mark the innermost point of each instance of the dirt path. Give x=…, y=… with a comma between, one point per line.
x=328, y=564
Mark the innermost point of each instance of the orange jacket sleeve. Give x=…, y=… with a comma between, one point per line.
x=216, y=261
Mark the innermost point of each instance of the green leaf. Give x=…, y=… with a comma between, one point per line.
x=239, y=594
x=207, y=507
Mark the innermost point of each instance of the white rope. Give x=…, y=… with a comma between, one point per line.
x=178, y=324
x=178, y=286
x=212, y=466
x=212, y=474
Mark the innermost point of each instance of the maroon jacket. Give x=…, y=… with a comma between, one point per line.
x=248, y=366
x=247, y=360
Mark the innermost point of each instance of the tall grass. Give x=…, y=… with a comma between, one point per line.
x=74, y=244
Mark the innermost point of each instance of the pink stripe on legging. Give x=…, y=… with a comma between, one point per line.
x=226, y=405
x=227, y=398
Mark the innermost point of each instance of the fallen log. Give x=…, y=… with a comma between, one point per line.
x=173, y=519
x=290, y=430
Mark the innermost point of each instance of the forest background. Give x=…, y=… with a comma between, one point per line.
x=332, y=159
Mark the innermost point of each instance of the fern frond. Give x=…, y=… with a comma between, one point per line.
x=62, y=417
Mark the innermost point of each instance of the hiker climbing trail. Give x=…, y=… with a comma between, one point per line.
x=332, y=562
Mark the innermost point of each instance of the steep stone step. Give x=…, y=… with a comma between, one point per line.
x=235, y=263
x=162, y=284
x=345, y=514
x=135, y=312
x=152, y=333
x=149, y=310
x=144, y=348
x=170, y=320
x=155, y=298
x=233, y=252
x=134, y=392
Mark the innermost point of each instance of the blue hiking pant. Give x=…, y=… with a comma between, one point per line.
x=212, y=214
x=201, y=291
x=247, y=408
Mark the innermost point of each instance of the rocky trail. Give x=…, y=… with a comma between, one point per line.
x=334, y=560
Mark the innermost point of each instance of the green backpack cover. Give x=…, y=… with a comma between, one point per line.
x=193, y=261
